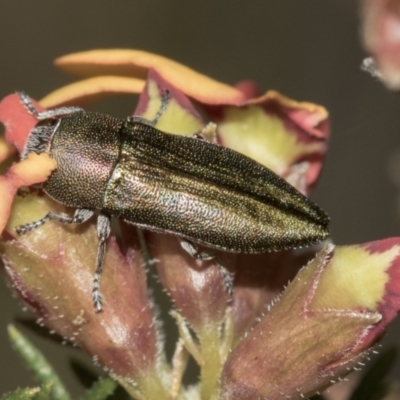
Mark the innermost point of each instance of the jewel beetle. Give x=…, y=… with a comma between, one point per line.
x=187, y=186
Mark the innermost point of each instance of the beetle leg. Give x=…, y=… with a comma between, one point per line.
x=141, y=120
x=41, y=115
x=160, y=112
x=81, y=215
x=163, y=107
x=208, y=133
x=103, y=231
x=193, y=250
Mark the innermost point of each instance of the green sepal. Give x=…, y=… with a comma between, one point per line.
x=34, y=360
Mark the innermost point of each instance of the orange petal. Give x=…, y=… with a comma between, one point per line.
x=6, y=150
x=89, y=90
x=7, y=191
x=34, y=169
x=136, y=63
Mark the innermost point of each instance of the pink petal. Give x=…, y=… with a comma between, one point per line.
x=381, y=35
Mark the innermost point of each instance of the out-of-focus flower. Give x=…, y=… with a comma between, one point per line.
x=328, y=317
x=380, y=33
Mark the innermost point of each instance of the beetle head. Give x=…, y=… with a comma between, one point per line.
x=40, y=137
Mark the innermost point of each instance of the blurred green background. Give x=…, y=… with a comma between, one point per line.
x=307, y=49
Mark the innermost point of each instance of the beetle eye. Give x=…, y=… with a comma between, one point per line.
x=39, y=138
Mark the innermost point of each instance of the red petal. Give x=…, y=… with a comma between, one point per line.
x=17, y=120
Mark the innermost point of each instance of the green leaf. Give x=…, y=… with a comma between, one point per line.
x=42, y=393
x=21, y=394
x=372, y=385
x=103, y=388
x=37, y=364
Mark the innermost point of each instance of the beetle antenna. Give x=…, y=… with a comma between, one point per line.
x=41, y=115
x=26, y=101
x=164, y=104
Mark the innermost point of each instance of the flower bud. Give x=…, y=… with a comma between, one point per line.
x=51, y=268
x=328, y=317
x=259, y=279
x=196, y=287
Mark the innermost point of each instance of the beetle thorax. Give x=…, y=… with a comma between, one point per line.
x=86, y=148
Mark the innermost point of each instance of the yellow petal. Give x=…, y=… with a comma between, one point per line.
x=262, y=136
x=34, y=169
x=175, y=119
x=356, y=278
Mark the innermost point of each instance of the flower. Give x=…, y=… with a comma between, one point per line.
x=380, y=27
x=259, y=343
x=298, y=130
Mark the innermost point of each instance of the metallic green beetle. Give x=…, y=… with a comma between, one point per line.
x=186, y=186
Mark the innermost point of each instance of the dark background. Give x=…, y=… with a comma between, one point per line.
x=307, y=49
